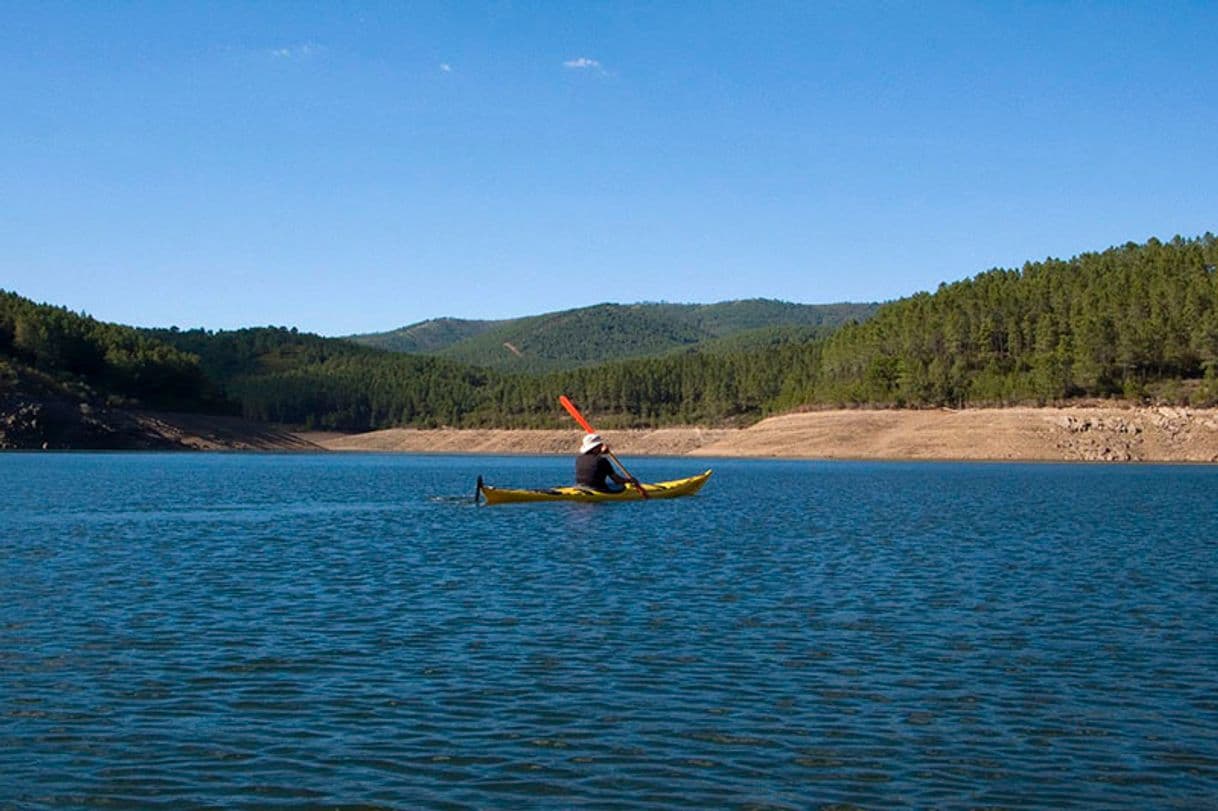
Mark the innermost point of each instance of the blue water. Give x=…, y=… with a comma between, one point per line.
x=315, y=631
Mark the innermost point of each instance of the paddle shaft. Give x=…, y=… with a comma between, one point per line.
x=578, y=417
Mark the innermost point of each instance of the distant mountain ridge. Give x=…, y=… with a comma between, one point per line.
x=586, y=336
x=432, y=335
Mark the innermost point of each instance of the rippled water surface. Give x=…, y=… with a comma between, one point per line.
x=296, y=631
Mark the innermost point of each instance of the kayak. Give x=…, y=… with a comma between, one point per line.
x=672, y=489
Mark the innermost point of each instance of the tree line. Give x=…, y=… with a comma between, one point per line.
x=1137, y=322
x=102, y=360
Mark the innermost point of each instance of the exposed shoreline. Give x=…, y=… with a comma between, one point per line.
x=1091, y=432
x=1077, y=434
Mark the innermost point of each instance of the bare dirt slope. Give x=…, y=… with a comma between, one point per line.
x=204, y=432
x=1110, y=434
x=658, y=442
x=39, y=412
x=54, y=423
x=1070, y=434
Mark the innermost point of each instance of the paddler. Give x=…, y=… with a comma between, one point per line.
x=593, y=468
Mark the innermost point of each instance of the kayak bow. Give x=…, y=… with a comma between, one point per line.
x=670, y=489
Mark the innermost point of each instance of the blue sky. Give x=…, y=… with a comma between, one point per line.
x=348, y=167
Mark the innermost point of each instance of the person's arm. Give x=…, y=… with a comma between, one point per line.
x=613, y=474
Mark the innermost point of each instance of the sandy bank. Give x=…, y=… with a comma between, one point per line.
x=1110, y=434
x=658, y=442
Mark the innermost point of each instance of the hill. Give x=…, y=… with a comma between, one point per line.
x=606, y=332
x=70, y=381
x=86, y=359
x=432, y=335
x=281, y=375
x=1138, y=322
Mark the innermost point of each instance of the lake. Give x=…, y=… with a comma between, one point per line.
x=244, y=630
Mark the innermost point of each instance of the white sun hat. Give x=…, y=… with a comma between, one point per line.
x=591, y=442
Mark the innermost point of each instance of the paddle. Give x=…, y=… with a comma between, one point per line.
x=574, y=412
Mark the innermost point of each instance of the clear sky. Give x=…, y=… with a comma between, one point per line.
x=349, y=167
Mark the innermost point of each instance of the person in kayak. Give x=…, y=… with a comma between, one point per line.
x=593, y=468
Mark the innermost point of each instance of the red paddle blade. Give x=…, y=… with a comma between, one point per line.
x=574, y=412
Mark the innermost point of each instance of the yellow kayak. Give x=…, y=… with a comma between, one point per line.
x=672, y=489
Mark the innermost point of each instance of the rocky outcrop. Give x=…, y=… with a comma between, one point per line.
x=35, y=416
x=1139, y=434
x=31, y=418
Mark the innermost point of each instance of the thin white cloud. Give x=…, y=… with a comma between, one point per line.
x=446, y=68
x=583, y=63
x=302, y=51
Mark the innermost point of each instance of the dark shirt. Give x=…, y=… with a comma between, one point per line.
x=591, y=470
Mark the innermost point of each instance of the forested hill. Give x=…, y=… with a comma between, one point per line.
x=94, y=360
x=605, y=332
x=281, y=375
x=432, y=335
x=69, y=381
x=1138, y=322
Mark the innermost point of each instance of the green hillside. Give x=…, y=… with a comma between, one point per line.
x=605, y=332
x=282, y=375
x=70, y=381
x=731, y=317
x=82, y=359
x=575, y=338
x=1135, y=321
x=428, y=336
x=758, y=339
